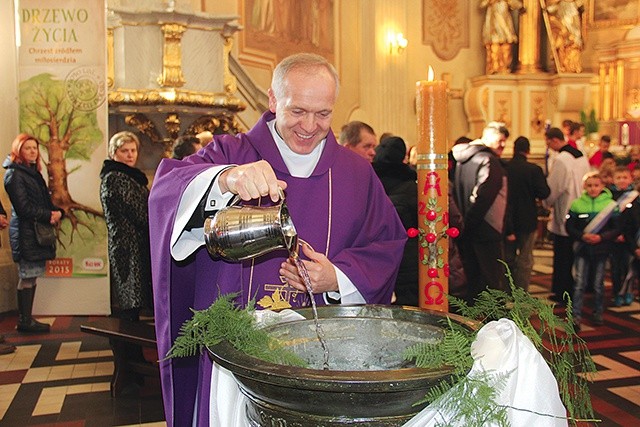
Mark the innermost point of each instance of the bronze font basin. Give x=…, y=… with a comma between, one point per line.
x=368, y=383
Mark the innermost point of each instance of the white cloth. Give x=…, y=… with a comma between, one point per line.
x=502, y=348
x=227, y=404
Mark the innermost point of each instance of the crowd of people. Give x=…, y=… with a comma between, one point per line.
x=499, y=202
x=352, y=205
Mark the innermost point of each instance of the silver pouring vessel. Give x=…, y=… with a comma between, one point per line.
x=240, y=232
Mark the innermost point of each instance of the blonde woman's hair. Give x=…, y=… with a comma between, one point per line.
x=121, y=138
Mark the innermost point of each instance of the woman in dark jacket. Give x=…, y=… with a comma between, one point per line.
x=400, y=183
x=124, y=196
x=31, y=203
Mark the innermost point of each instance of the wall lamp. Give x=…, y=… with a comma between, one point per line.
x=397, y=42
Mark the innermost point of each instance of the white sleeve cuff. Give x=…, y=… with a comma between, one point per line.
x=347, y=291
x=185, y=242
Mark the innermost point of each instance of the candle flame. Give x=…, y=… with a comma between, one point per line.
x=430, y=74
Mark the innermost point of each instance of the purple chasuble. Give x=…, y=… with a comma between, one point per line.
x=341, y=210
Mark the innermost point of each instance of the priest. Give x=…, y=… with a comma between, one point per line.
x=336, y=202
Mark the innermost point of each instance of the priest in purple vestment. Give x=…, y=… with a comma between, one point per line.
x=336, y=203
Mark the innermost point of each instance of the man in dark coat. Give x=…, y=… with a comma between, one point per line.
x=526, y=185
x=480, y=190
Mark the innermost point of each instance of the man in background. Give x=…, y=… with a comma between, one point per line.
x=480, y=191
x=565, y=182
x=360, y=138
x=185, y=146
x=526, y=185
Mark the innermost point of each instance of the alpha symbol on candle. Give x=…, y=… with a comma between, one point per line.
x=432, y=182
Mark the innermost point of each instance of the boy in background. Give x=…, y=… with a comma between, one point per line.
x=635, y=174
x=592, y=223
x=620, y=257
x=631, y=230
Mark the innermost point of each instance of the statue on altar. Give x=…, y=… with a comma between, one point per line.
x=565, y=24
x=498, y=33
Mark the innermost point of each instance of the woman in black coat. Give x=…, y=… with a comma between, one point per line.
x=31, y=203
x=124, y=196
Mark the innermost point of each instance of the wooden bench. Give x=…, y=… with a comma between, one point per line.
x=122, y=334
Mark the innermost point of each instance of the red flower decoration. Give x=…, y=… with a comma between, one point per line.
x=453, y=232
x=430, y=237
x=446, y=270
x=445, y=218
x=412, y=232
x=432, y=272
x=431, y=215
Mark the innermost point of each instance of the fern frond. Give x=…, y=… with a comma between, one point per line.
x=223, y=320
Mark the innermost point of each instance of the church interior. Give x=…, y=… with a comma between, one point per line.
x=183, y=67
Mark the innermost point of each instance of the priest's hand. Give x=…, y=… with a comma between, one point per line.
x=252, y=181
x=321, y=272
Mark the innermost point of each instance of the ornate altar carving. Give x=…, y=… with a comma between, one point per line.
x=169, y=75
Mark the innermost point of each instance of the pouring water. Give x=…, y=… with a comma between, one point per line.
x=304, y=274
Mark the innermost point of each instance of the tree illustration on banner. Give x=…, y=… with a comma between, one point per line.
x=67, y=131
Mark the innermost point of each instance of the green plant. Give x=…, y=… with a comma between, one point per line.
x=589, y=121
x=224, y=321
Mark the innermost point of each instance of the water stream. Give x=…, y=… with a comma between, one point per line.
x=302, y=270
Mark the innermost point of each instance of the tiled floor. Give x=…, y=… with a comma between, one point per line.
x=62, y=378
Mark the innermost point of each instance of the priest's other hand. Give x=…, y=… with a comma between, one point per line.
x=321, y=272
x=252, y=181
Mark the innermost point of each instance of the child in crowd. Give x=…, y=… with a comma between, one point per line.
x=631, y=230
x=634, y=154
x=593, y=234
x=606, y=171
x=635, y=173
x=620, y=257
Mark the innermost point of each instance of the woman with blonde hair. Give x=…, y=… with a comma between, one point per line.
x=124, y=196
x=32, y=204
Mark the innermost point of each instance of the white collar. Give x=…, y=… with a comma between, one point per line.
x=299, y=165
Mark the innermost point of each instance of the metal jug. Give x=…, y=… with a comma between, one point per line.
x=237, y=233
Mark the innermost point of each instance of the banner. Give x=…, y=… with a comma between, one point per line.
x=62, y=101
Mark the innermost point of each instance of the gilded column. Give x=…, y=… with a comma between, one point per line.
x=611, y=87
x=230, y=83
x=529, y=38
x=602, y=77
x=618, y=99
x=172, y=56
x=111, y=68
